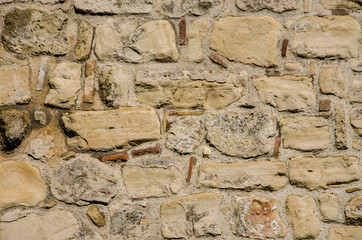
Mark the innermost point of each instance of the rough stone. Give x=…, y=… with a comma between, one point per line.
x=303, y=216
x=106, y=41
x=235, y=38
x=340, y=4
x=82, y=180
x=241, y=134
x=95, y=215
x=14, y=126
x=273, y=5
x=327, y=37
x=179, y=8
x=293, y=66
x=251, y=175
x=84, y=40
x=341, y=126
x=197, y=214
x=65, y=83
x=152, y=182
x=41, y=147
x=356, y=64
x=332, y=81
x=90, y=72
x=356, y=120
x=199, y=30
x=40, y=117
x=113, y=6
x=305, y=133
x=330, y=206
x=31, y=31
x=355, y=90
x=36, y=226
x=345, y=232
x=315, y=173
x=258, y=217
x=286, y=93
x=124, y=220
x=353, y=211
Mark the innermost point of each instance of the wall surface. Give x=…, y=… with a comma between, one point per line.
x=184, y=119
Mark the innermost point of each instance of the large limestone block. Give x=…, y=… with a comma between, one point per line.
x=20, y=185
x=286, y=93
x=305, y=133
x=105, y=130
x=330, y=206
x=58, y=225
x=152, y=182
x=316, y=173
x=341, y=4
x=332, y=81
x=356, y=120
x=251, y=175
x=251, y=40
x=272, y=5
x=327, y=37
x=345, y=232
x=242, y=134
x=179, y=8
x=31, y=31
x=197, y=214
x=113, y=6
x=353, y=211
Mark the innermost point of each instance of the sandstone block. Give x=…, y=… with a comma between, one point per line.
x=341, y=126
x=106, y=41
x=113, y=6
x=41, y=147
x=273, y=5
x=353, y=211
x=96, y=216
x=345, y=232
x=199, y=30
x=355, y=90
x=340, y=4
x=330, y=206
x=84, y=40
x=356, y=64
x=235, y=38
x=356, y=120
x=179, y=8
x=332, y=81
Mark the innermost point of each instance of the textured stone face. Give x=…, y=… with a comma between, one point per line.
x=84, y=40
x=332, y=81
x=272, y=5
x=356, y=64
x=113, y=6
x=242, y=134
x=41, y=148
x=102, y=130
x=197, y=215
x=341, y=126
x=199, y=30
x=152, y=182
x=353, y=211
x=316, y=173
x=355, y=90
x=36, y=226
x=344, y=232
x=95, y=215
x=286, y=93
x=20, y=185
x=236, y=38
x=341, y=4
x=179, y=8
x=356, y=120
x=252, y=175
x=258, y=217
x=83, y=180
x=327, y=37
x=303, y=216
x=124, y=220
x=30, y=31
x=330, y=205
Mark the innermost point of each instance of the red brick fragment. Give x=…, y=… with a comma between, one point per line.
x=182, y=27
x=153, y=150
x=191, y=164
x=217, y=60
x=114, y=157
x=284, y=47
x=324, y=105
x=276, y=146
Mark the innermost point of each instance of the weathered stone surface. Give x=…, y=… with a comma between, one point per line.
x=272, y=5
x=107, y=41
x=356, y=64
x=341, y=4
x=353, y=211
x=40, y=117
x=356, y=120
x=31, y=31
x=59, y=225
x=14, y=215
x=185, y=134
x=89, y=81
x=242, y=134
x=286, y=93
x=197, y=214
x=20, y=185
x=235, y=38
x=95, y=215
x=303, y=216
x=252, y=175
x=183, y=89
x=64, y=84
x=14, y=126
x=41, y=147
x=179, y=8
x=199, y=30
x=113, y=6
x=152, y=182
x=14, y=85
x=330, y=206
x=82, y=180
x=345, y=232
x=125, y=220
x=84, y=40
x=341, y=126
x=305, y=133
x=104, y=130
x=355, y=90
x=293, y=66
x=327, y=37
x=332, y=81
x=258, y=217
x=316, y=173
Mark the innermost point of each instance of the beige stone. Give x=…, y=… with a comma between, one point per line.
x=179, y=8
x=286, y=93
x=88, y=88
x=20, y=185
x=198, y=215
x=315, y=173
x=303, y=216
x=84, y=40
x=356, y=64
x=345, y=232
x=105, y=130
x=251, y=175
x=305, y=133
x=143, y=182
x=330, y=207
x=327, y=37
x=340, y=4
x=41, y=147
x=58, y=225
x=356, y=120
x=341, y=126
x=236, y=38
x=272, y=5
x=293, y=66
x=353, y=211
x=106, y=41
x=95, y=215
x=199, y=30
x=355, y=90
x=113, y=6
x=332, y=81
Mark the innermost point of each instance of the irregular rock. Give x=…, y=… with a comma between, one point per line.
x=65, y=83
x=293, y=66
x=106, y=41
x=197, y=214
x=199, y=30
x=83, y=180
x=341, y=127
x=179, y=8
x=344, y=232
x=355, y=90
x=235, y=38
x=41, y=148
x=327, y=37
x=113, y=6
x=356, y=120
x=105, y=130
x=95, y=215
x=353, y=211
x=31, y=31
x=303, y=216
x=315, y=173
x=124, y=220
x=272, y=5
x=36, y=226
x=40, y=117
x=152, y=182
x=90, y=73
x=286, y=93
x=340, y=4
x=330, y=205
x=251, y=175
x=305, y=133
x=356, y=65
x=84, y=40
x=241, y=134
x=332, y=81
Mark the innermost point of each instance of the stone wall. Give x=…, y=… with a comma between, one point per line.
x=193, y=119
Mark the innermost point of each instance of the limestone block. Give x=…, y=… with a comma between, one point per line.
x=353, y=211
x=340, y=4
x=106, y=41
x=113, y=6
x=344, y=232
x=356, y=64
x=356, y=120
x=355, y=90
x=41, y=147
x=330, y=206
x=179, y=8
x=272, y=5
x=199, y=30
x=341, y=126
x=332, y=81
x=84, y=41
